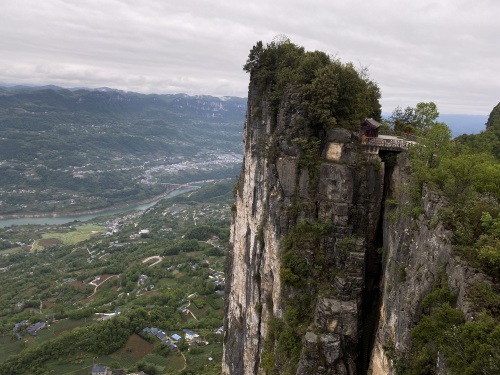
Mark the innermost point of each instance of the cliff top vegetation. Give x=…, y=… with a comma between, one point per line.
x=333, y=93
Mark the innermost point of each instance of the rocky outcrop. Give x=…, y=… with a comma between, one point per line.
x=329, y=263
x=285, y=181
x=415, y=252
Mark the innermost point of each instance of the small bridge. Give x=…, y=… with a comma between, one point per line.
x=386, y=142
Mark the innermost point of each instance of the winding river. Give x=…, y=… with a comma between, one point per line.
x=67, y=219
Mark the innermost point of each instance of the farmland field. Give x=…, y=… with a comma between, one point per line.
x=59, y=281
x=9, y=346
x=12, y=250
x=136, y=347
x=56, y=328
x=203, y=353
x=75, y=366
x=81, y=233
x=68, y=324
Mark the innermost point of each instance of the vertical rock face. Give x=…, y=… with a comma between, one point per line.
x=416, y=251
x=305, y=224
x=327, y=270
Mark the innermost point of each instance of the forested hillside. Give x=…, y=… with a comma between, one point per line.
x=488, y=140
x=74, y=150
x=83, y=293
x=452, y=200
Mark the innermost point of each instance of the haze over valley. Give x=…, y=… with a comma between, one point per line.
x=80, y=150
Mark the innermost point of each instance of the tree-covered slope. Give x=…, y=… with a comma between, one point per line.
x=488, y=140
x=99, y=290
x=494, y=119
x=90, y=149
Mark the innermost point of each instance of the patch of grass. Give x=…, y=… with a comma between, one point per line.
x=12, y=250
x=175, y=363
x=81, y=233
x=73, y=366
x=124, y=359
x=160, y=362
x=56, y=329
x=45, y=243
x=216, y=303
x=135, y=349
x=68, y=324
x=9, y=347
x=203, y=353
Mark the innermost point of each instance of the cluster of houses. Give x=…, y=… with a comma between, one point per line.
x=32, y=329
x=209, y=161
x=115, y=225
x=219, y=279
x=170, y=341
x=105, y=370
x=142, y=283
x=141, y=234
x=190, y=336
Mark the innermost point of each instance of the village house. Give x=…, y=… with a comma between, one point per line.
x=33, y=329
x=100, y=370
x=190, y=335
x=162, y=336
x=176, y=337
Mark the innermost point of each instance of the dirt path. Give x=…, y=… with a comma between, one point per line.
x=141, y=294
x=98, y=285
x=185, y=362
x=157, y=257
x=189, y=311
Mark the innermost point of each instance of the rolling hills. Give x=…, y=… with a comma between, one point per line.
x=75, y=150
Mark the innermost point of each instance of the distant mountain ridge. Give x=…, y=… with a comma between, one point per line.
x=76, y=145
x=107, y=100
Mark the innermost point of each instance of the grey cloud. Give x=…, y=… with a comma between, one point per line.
x=416, y=51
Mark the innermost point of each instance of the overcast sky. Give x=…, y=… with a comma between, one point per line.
x=443, y=51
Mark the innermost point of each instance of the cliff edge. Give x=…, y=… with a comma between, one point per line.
x=336, y=266
x=306, y=220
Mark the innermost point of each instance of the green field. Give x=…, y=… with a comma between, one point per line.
x=176, y=362
x=12, y=250
x=55, y=329
x=212, y=350
x=9, y=346
x=68, y=324
x=73, y=366
x=79, y=234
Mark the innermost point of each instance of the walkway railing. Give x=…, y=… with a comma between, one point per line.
x=396, y=144
x=406, y=136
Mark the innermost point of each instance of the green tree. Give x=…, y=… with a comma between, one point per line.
x=419, y=120
x=333, y=93
x=466, y=174
x=425, y=116
x=402, y=119
x=426, y=156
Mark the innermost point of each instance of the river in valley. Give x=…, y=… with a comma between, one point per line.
x=67, y=219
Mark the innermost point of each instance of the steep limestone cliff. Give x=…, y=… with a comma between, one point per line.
x=417, y=253
x=332, y=268
x=305, y=224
